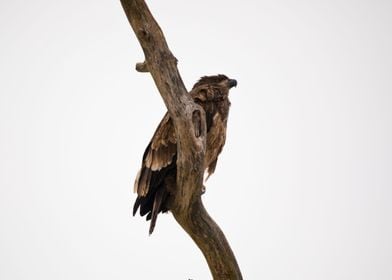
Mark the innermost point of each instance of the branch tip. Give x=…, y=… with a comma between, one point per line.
x=142, y=67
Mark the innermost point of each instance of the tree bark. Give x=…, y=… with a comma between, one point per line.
x=190, y=126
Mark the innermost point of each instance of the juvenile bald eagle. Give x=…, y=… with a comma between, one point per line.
x=156, y=178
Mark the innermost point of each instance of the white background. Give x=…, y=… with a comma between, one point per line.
x=303, y=188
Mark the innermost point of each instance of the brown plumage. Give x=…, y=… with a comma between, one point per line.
x=157, y=176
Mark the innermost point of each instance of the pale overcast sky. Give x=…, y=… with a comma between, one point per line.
x=302, y=190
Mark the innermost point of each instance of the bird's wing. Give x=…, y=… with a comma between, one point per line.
x=159, y=154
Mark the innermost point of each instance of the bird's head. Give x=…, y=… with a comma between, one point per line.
x=218, y=80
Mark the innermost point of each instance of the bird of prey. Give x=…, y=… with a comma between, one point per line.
x=155, y=182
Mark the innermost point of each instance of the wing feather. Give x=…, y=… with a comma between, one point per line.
x=158, y=155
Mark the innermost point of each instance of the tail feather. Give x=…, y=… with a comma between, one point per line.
x=136, y=205
x=147, y=204
x=153, y=192
x=159, y=196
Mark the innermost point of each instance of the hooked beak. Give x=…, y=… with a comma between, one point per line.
x=232, y=83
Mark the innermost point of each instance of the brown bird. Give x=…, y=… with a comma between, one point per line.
x=157, y=176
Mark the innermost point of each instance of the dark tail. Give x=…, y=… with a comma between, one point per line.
x=160, y=196
x=151, y=205
x=155, y=201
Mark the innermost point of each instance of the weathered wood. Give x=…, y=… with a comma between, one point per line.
x=190, y=125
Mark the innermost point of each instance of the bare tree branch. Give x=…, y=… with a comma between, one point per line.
x=190, y=125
